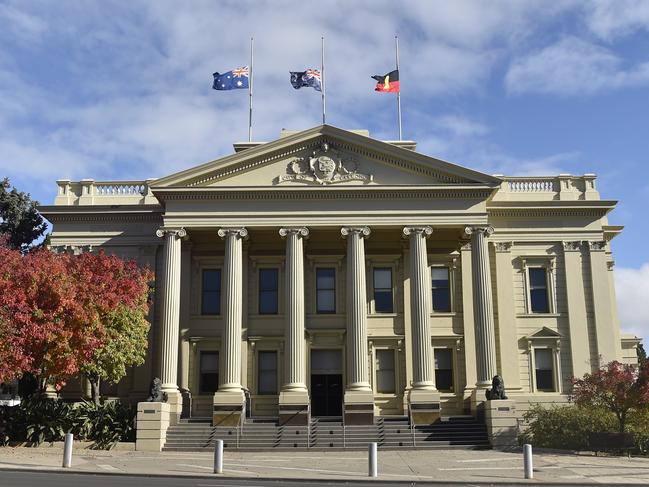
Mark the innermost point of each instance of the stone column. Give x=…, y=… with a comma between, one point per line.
x=424, y=398
x=170, y=318
x=294, y=396
x=359, y=398
x=482, y=307
x=229, y=400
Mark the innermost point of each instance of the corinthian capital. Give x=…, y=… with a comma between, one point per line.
x=299, y=231
x=176, y=232
x=239, y=232
x=484, y=229
x=360, y=231
x=423, y=231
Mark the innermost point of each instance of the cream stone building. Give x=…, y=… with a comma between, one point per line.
x=327, y=273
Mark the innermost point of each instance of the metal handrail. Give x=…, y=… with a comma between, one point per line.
x=344, y=431
x=412, y=427
x=308, y=427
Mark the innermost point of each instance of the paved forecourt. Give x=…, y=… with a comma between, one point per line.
x=407, y=465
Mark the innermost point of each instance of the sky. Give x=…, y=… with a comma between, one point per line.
x=122, y=90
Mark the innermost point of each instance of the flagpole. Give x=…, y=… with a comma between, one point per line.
x=396, y=40
x=324, y=89
x=250, y=92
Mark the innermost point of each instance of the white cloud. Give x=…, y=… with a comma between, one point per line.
x=632, y=290
x=610, y=19
x=573, y=66
x=460, y=125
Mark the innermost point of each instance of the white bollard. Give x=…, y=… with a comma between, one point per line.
x=67, y=450
x=373, y=467
x=218, y=457
x=527, y=461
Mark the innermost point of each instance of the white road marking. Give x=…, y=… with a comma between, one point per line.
x=110, y=468
x=309, y=469
x=487, y=460
x=194, y=466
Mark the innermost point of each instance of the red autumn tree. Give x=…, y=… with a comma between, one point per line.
x=116, y=291
x=61, y=314
x=617, y=387
x=44, y=329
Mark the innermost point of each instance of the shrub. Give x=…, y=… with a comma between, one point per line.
x=46, y=420
x=564, y=427
x=568, y=427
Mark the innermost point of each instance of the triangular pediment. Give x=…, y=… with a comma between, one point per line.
x=325, y=156
x=543, y=332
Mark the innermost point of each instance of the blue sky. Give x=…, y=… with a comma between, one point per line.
x=121, y=90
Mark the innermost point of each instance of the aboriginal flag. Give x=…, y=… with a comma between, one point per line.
x=388, y=82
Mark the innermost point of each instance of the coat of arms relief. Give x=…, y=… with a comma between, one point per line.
x=323, y=166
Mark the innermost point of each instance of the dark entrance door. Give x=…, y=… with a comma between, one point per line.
x=327, y=394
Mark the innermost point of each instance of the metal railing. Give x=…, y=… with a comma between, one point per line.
x=413, y=431
x=308, y=426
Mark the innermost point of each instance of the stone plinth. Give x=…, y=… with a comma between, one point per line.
x=502, y=423
x=229, y=408
x=294, y=408
x=358, y=407
x=152, y=423
x=424, y=406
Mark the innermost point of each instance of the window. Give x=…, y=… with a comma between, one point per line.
x=268, y=285
x=539, y=302
x=444, y=369
x=544, y=369
x=383, y=290
x=267, y=372
x=211, y=292
x=385, y=371
x=441, y=289
x=326, y=290
x=209, y=372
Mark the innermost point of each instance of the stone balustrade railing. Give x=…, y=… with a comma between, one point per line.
x=91, y=192
x=561, y=187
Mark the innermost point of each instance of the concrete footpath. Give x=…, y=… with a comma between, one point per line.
x=404, y=465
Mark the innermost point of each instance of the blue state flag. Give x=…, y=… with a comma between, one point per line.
x=310, y=78
x=232, y=80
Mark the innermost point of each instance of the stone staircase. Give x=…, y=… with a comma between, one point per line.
x=327, y=434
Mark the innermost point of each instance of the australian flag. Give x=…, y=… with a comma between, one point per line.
x=232, y=80
x=310, y=77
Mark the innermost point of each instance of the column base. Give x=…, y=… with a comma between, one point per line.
x=501, y=422
x=294, y=408
x=228, y=408
x=358, y=407
x=425, y=406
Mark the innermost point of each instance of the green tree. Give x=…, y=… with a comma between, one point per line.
x=642, y=354
x=20, y=221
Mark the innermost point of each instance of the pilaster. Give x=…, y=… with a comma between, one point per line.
x=577, y=317
x=507, y=335
x=608, y=339
x=359, y=398
x=468, y=321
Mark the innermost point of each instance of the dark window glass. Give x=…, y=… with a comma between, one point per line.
x=539, y=290
x=326, y=290
x=444, y=369
x=209, y=372
x=383, y=290
x=211, y=292
x=267, y=372
x=268, y=285
x=544, y=369
x=385, y=371
x=441, y=289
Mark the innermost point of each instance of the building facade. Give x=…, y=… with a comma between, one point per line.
x=331, y=274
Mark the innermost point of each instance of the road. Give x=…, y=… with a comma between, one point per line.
x=40, y=479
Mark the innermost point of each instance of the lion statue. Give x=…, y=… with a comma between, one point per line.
x=155, y=392
x=497, y=390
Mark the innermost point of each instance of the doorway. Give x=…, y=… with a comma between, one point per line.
x=326, y=383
